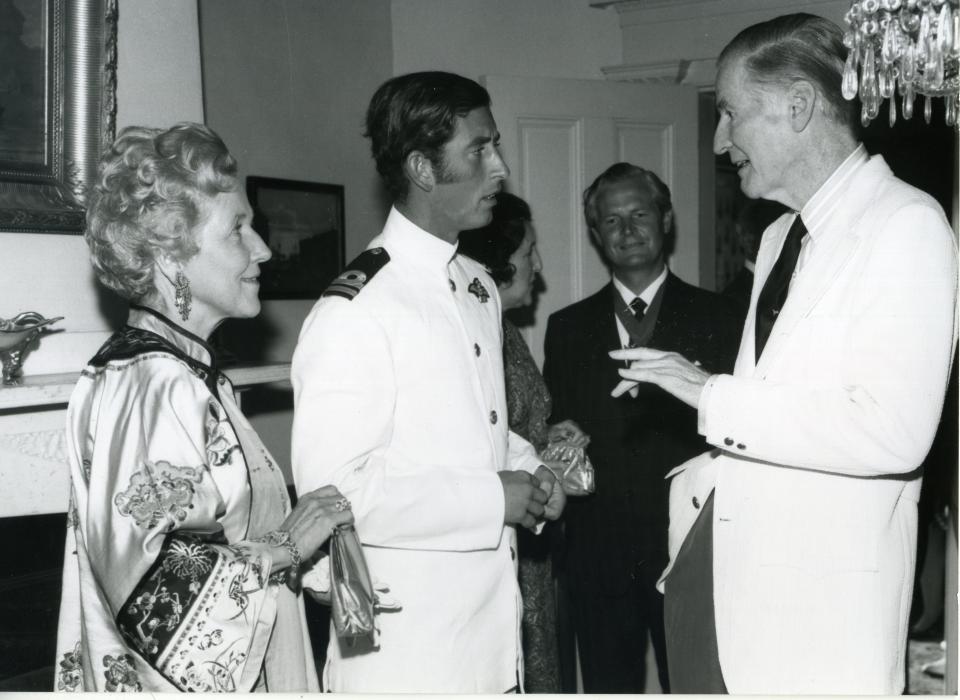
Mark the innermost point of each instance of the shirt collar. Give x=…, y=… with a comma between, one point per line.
x=647, y=294
x=405, y=239
x=192, y=345
x=819, y=209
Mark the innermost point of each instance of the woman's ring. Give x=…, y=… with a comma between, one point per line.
x=341, y=505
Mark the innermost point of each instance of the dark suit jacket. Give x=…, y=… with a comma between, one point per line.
x=634, y=441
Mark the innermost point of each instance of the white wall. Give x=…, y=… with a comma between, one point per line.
x=286, y=84
x=158, y=82
x=679, y=40
x=545, y=38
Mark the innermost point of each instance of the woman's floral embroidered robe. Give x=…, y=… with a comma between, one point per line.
x=164, y=588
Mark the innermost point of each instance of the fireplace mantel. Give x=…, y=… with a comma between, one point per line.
x=33, y=461
x=54, y=389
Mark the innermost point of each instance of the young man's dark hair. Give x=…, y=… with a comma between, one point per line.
x=417, y=112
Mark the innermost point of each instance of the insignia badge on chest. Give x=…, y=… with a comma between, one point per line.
x=478, y=290
x=358, y=273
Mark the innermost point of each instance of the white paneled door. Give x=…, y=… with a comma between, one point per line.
x=557, y=135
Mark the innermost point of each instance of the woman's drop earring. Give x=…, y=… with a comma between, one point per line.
x=183, y=297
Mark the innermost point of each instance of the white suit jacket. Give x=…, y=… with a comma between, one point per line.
x=816, y=474
x=400, y=402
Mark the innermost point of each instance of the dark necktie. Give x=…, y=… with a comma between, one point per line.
x=636, y=307
x=774, y=292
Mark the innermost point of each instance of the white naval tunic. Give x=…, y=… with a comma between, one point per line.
x=399, y=402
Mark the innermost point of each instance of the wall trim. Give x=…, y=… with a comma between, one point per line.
x=701, y=72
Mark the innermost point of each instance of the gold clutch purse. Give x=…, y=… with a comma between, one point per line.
x=351, y=589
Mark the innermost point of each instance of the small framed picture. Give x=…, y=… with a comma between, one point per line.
x=302, y=222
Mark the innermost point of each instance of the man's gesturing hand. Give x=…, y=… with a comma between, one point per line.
x=523, y=498
x=669, y=370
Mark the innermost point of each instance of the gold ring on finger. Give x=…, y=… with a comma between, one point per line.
x=341, y=505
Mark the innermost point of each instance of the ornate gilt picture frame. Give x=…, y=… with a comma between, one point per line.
x=58, y=63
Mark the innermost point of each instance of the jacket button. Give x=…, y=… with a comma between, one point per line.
x=493, y=417
x=696, y=503
x=453, y=285
x=727, y=441
x=221, y=380
x=476, y=349
x=741, y=446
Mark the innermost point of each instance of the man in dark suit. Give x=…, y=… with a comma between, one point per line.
x=617, y=537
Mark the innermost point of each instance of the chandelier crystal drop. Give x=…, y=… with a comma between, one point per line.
x=905, y=47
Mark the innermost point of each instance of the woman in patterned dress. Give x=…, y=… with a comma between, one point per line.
x=507, y=246
x=183, y=554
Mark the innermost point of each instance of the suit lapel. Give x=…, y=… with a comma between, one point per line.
x=832, y=254
x=600, y=336
x=605, y=336
x=667, y=329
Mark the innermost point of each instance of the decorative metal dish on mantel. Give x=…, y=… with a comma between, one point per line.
x=16, y=334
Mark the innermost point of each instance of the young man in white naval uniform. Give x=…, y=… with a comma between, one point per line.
x=399, y=401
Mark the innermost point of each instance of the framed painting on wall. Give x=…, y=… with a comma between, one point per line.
x=57, y=108
x=303, y=223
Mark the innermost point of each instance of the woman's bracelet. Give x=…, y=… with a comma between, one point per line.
x=281, y=538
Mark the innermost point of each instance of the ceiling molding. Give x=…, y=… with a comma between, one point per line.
x=644, y=11
x=701, y=72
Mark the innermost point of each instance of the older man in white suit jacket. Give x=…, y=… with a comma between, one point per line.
x=816, y=479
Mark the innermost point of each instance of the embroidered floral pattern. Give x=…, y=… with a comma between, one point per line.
x=70, y=675
x=212, y=676
x=153, y=613
x=120, y=674
x=207, y=641
x=162, y=491
x=220, y=441
x=188, y=559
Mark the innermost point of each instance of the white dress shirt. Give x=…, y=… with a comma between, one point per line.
x=646, y=296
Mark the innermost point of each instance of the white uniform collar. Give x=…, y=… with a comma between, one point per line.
x=403, y=238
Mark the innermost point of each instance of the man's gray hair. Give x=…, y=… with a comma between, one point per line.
x=797, y=47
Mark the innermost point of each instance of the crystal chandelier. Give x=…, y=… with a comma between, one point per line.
x=910, y=47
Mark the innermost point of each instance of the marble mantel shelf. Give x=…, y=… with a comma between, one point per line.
x=54, y=389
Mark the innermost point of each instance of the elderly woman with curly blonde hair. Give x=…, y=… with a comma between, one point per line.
x=182, y=553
